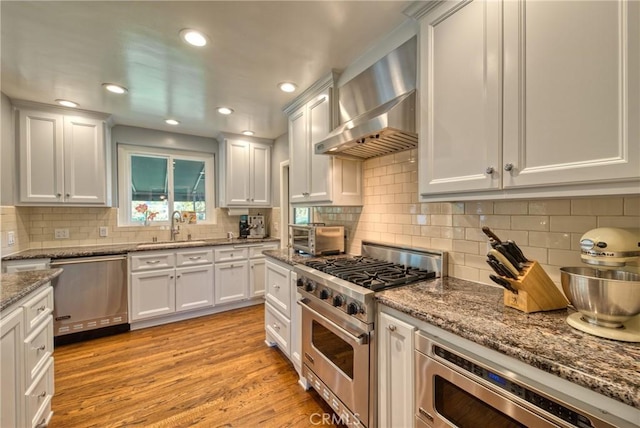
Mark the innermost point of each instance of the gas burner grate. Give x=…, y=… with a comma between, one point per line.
x=371, y=273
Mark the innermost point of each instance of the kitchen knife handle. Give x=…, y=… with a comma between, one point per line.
x=504, y=262
x=500, y=269
x=502, y=249
x=503, y=283
x=490, y=234
x=517, y=251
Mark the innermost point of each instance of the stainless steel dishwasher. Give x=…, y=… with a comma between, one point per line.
x=90, y=298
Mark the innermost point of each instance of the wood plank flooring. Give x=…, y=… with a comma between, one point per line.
x=213, y=371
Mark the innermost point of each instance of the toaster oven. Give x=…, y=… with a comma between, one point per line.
x=317, y=239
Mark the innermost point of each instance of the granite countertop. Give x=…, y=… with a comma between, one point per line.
x=543, y=340
x=106, y=250
x=15, y=286
x=289, y=256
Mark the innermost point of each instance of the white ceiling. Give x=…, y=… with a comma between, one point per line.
x=67, y=49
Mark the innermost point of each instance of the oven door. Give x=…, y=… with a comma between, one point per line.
x=446, y=398
x=338, y=355
x=301, y=238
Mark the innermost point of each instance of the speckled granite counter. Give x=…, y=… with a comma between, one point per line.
x=15, y=286
x=106, y=250
x=543, y=340
x=289, y=256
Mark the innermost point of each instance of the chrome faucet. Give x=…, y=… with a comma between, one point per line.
x=175, y=228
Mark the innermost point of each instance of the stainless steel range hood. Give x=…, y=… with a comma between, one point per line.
x=377, y=109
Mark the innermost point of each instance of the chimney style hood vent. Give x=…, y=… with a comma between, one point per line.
x=377, y=109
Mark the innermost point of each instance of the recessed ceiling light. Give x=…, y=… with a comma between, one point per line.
x=193, y=37
x=287, y=86
x=67, y=103
x=225, y=110
x=248, y=133
x=116, y=89
x=172, y=122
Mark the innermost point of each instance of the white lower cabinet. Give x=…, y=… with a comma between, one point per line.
x=257, y=277
x=278, y=308
x=26, y=365
x=164, y=283
x=231, y=280
x=395, y=367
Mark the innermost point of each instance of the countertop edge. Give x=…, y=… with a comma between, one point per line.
x=22, y=284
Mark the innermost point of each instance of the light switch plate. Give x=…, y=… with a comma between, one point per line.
x=104, y=231
x=11, y=238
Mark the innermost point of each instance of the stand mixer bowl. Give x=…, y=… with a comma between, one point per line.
x=604, y=297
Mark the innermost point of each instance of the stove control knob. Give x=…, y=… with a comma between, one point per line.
x=310, y=287
x=353, y=308
x=325, y=294
x=299, y=282
x=338, y=301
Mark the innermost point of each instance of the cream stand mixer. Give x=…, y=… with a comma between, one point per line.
x=606, y=294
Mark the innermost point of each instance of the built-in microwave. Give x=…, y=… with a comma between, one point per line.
x=317, y=239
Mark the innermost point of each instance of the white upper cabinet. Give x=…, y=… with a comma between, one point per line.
x=63, y=159
x=245, y=178
x=319, y=179
x=522, y=98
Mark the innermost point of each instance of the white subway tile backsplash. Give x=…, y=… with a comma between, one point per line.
x=572, y=223
x=511, y=207
x=441, y=220
x=550, y=240
x=483, y=207
x=631, y=205
x=564, y=258
x=550, y=207
x=495, y=221
x=466, y=220
x=530, y=222
x=618, y=221
x=597, y=206
x=535, y=253
x=464, y=246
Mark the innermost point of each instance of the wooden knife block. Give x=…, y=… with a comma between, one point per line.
x=536, y=291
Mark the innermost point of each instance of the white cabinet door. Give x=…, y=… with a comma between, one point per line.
x=41, y=156
x=278, y=287
x=571, y=91
x=296, y=324
x=299, y=156
x=194, y=287
x=237, y=179
x=460, y=77
x=231, y=281
x=395, y=371
x=152, y=293
x=256, y=277
x=260, y=174
x=84, y=161
x=12, y=370
x=319, y=126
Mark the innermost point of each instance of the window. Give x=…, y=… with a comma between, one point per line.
x=302, y=215
x=163, y=181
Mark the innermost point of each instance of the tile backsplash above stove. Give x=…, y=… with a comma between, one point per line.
x=548, y=230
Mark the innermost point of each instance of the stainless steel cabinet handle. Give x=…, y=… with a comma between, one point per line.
x=195, y=258
x=392, y=327
x=276, y=286
x=41, y=308
x=152, y=262
x=40, y=348
x=42, y=424
x=508, y=167
x=489, y=170
x=41, y=395
x=360, y=339
x=276, y=327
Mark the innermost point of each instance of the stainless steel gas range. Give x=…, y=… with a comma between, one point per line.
x=338, y=320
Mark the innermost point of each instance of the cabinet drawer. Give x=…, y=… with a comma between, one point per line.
x=38, y=308
x=39, y=394
x=230, y=253
x=257, y=251
x=278, y=288
x=194, y=257
x=38, y=347
x=278, y=327
x=152, y=261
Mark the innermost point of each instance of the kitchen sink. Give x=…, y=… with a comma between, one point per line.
x=169, y=244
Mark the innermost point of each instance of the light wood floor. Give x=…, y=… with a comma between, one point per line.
x=213, y=371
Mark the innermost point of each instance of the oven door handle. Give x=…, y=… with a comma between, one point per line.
x=361, y=339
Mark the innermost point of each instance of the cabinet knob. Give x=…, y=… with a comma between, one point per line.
x=179, y=276
x=247, y=199
x=252, y=199
x=67, y=195
x=58, y=194
x=41, y=309
x=490, y=170
x=276, y=327
x=392, y=327
x=276, y=286
x=40, y=348
x=508, y=166
x=170, y=276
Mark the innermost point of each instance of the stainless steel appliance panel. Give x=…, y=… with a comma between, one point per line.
x=339, y=356
x=317, y=239
x=91, y=293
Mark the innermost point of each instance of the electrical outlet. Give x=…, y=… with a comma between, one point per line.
x=11, y=238
x=61, y=234
x=104, y=231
